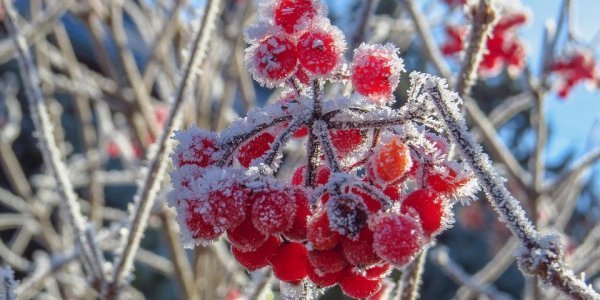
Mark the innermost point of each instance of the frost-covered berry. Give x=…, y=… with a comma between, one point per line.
x=255, y=148
x=272, y=61
x=346, y=140
x=197, y=226
x=227, y=205
x=378, y=271
x=258, y=258
x=298, y=230
x=323, y=280
x=328, y=261
x=319, y=232
x=359, y=251
x=376, y=71
x=292, y=15
x=450, y=179
x=320, y=49
x=300, y=174
x=357, y=286
x=391, y=160
x=429, y=207
x=196, y=147
x=246, y=237
x=347, y=214
x=396, y=238
x=290, y=263
x=273, y=210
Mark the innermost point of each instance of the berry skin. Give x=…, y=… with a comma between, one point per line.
x=255, y=148
x=258, y=258
x=198, y=225
x=273, y=211
x=298, y=230
x=227, y=206
x=320, y=50
x=327, y=261
x=378, y=271
x=245, y=237
x=272, y=61
x=396, y=238
x=376, y=71
x=320, y=234
x=291, y=14
x=357, y=286
x=300, y=174
x=428, y=206
x=346, y=140
x=360, y=252
x=290, y=263
x=391, y=160
x=323, y=280
x=196, y=147
x=449, y=180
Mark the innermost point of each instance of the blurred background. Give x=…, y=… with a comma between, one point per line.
x=108, y=72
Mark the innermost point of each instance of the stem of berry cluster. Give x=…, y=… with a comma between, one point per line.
x=541, y=254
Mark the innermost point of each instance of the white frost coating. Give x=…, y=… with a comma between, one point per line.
x=541, y=254
x=7, y=284
x=267, y=9
x=323, y=27
x=363, y=57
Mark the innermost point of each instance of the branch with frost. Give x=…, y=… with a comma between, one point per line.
x=484, y=19
x=411, y=279
x=147, y=192
x=441, y=258
x=540, y=254
x=92, y=261
x=7, y=284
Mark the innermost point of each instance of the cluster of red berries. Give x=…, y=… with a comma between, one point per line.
x=577, y=66
x=504, y=48
x=368, y=198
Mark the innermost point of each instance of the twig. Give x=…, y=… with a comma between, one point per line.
x=410, y=282
x=49, y=150
x=149, y=188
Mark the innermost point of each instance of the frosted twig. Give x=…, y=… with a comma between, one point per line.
x=440, y=257
x=49, y=149
x=7, y=284
x=146, y=194
x=484, y=19
x=410, y=282
x=540, y=255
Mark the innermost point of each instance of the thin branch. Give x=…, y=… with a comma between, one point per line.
x=412, y=278
x=158, y=163
x=49, y=149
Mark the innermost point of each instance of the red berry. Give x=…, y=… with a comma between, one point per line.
x=196, y=147
x=428, y=206
x=327, y=261
x=246, y=237
x=448, y=179
x=396, y=238
x=290, y=262
x=227, y=205
x=391, y=160
x=298, y=230
x=303, y=78
x=319, y=232
x=273, y=210
x=320, y=50
x=360, y=252
x=376, y=71
x=322, y=280
x=357, y=286
x=300, y=174
x=346, y=140
x=292, y=14
x=272, y=61
x=378, y=271
x=258, y=258
x=196, y=223
x=255, y=148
